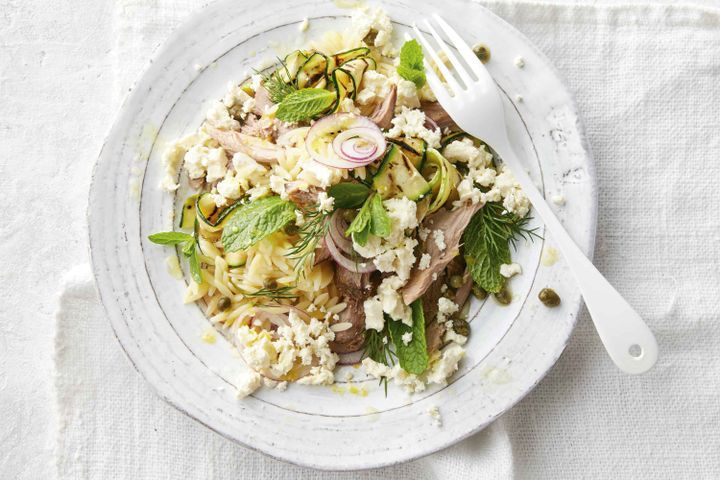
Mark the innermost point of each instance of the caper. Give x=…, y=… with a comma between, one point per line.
x=223, y=303
x=461, y=327
x=291, y=229
x=270, y=283
x=479, y=292
x=482, y=52
x=456, y=281
x=503, y=297
x=549, y=298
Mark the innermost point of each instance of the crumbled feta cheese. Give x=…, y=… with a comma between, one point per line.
x=248, y=381
x=396, y=253
x=172, y=158
x=514, y=199
x=519, y=98
x=510, y=270
x=200, y=159
x=519, y=62
x=219, y=117
x=347, y=105
x=392, y=302
x=364, y=22
x=446, y=308
x=407, y=94
x=558, y=199
x=237, y=100
x=451, y=336
x=373, y=314
x=424, y=262
x=438, y=372
x=406, y=338
x=298, y=341
x=439, y=238
x=374, y=88
x=444, y=367
x=319, y=175
x=229, y=187
x=304, y=25
x=411, y=123
x=325, y=202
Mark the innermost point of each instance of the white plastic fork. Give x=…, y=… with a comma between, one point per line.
x=474, y=103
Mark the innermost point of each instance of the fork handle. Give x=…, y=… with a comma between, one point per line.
x=627, y=339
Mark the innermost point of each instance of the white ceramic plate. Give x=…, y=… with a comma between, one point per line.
x=510, y=349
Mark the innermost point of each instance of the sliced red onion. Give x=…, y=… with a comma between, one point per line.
x=361, y=144
x=431, y=124
x=350, y=358
x=337, y=232
x=349, y=151
x=363, y=267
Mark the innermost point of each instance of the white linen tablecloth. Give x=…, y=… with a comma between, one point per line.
x=647, y=82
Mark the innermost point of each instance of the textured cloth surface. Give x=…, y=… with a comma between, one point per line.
x=647, y=82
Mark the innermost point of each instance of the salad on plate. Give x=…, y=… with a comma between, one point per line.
x=341, y=217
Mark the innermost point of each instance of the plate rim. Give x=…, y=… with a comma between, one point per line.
x=158, y=52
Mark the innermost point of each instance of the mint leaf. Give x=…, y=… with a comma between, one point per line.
x=486, y=247
x=349, y=195
x=413, y=357
x=170, y=238
x=252, y=222
x=304, y=104
x=361, y=224
x=380, y=220
x=195, y=267
x=415, y=76
x=411, y=63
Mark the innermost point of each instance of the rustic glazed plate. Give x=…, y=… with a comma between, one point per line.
x=511, y=348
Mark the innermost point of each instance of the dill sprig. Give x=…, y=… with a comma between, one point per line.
x=487, y=240
x=378, y=350
x=502, y=226
x=276, y=86
x=274, y=293
x=315, y=227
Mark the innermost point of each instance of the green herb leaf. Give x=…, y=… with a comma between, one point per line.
x=376, y=349
x=361, y=225
x=276, y=86
x=413, y=357
x=304, y=104
x=252, y=222
x=486, y=243
x=170, y=238
x=195, y=267
x=315, y=227
x=349, y=195
x=189, y=247
x=411, y=63
x=380, y=220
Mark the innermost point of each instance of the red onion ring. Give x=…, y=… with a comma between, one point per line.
x=346, y=144
x=337, y=232
x=345, y=262
x=350, y=358
x=324, y=147
x=431, y=124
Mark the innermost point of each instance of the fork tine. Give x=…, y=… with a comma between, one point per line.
x=459, y=67
x=439, y=90
x=463, y=48
x=449, y=79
